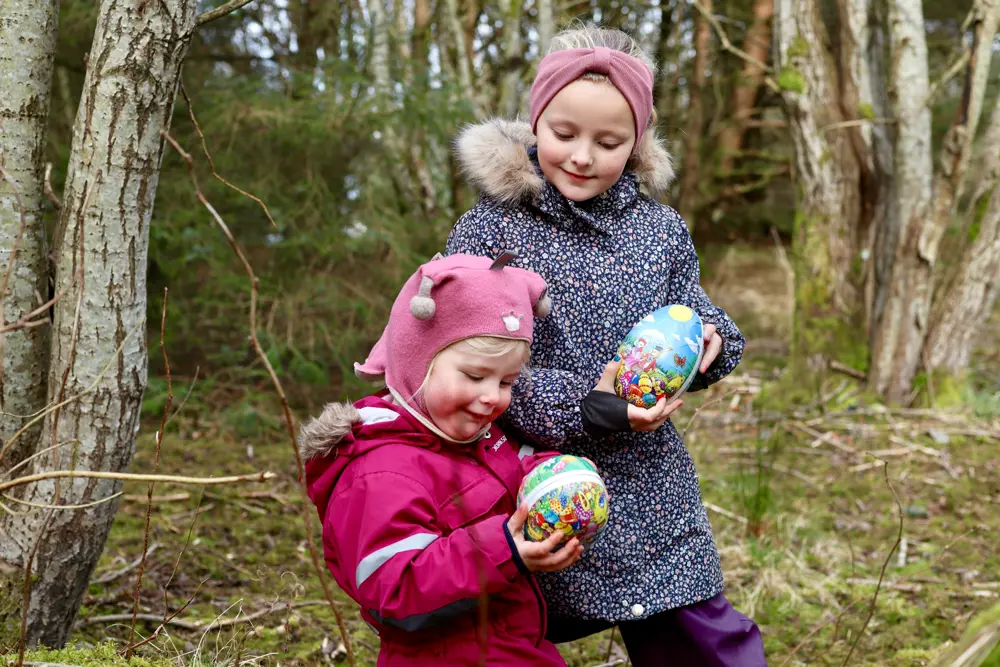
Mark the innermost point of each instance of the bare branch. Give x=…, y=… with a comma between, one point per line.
x=211, y=164
x=948, y=75
x=885, y=564
x=221, y=11
x=198, y=625
x=48, y=187
x=289, y=421
x=44, y=506
x=111, y=576
x=156, y=466
x=736, y=51
x=137, y=477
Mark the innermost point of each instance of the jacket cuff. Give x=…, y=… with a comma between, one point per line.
x=521, y=567
x=603, y=414
x=490, y=536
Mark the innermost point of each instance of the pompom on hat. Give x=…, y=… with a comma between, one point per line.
x=450, y=299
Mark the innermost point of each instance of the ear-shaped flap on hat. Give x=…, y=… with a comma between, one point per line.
x=543, y=306
x=373, y=369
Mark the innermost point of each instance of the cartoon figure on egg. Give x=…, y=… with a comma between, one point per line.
x=635, y=356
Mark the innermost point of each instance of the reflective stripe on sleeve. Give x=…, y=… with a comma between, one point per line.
x=373, y=561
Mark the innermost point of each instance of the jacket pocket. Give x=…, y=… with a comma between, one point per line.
x=478, y=500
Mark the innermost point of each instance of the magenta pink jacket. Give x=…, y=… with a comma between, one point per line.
x=414, y=530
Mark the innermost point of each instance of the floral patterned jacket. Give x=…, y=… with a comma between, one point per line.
x=608, y=263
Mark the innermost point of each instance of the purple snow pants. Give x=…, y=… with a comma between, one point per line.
x=709, y=634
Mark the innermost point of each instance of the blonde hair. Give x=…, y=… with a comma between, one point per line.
x=582, y=36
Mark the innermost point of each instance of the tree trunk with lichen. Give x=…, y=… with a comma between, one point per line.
x=98, y=350
x=825, y=243
x=27, y=57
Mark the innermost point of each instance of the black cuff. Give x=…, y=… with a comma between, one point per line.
x=521, y=567
x=603, y=414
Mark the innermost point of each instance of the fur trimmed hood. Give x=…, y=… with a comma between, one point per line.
x=321, y=435
x=494, y=157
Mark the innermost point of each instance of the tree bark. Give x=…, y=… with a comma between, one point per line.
x=27, y=58
x=546, y=25
x=420, y=42
x=98, y=341
x=464, y=62
x=757, y=44
x=695, y=118
x=513, y=58
x=900, y=328
x=968, y=299
x=824, y=242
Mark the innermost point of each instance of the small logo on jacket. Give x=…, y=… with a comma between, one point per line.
x=500, y=442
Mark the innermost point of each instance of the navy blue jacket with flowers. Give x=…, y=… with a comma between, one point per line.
x=608, y=263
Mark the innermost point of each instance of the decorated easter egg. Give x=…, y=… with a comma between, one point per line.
x=660, y=356
x=564, y=493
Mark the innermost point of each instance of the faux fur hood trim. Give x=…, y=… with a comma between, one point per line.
x=494, y=157
x=321, y=435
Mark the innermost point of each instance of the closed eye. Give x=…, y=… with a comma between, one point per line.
x=473, y=377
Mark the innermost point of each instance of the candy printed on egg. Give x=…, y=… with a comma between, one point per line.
x=660, y=356
x=564, y=493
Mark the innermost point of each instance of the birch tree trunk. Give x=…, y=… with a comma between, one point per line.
x=969, y=298
x=695, y=118
x=461, y=53
x=827, y=313
x=901, y=328
x=546, y=25
x=98, y=341
x=756, y=44
x=513, y=58
x=27, y=57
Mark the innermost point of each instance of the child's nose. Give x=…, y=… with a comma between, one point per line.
x=582, y=156
x=490, y=396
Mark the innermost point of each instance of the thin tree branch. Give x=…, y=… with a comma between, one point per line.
x=44, y=506
x=48, y=187
x=736, y=51
x=211, y=164
x=948, y=75
x=220, y=11
x=881, y=575
x=111, y=576
x=289, y=421
x=137, y=477
x=156, y=466
x=198, y=625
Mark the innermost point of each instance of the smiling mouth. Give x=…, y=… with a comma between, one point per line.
x=578, y=177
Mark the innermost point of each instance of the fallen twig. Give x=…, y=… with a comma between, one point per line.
x=195, y=625
x=137, y=477
x=111, y=576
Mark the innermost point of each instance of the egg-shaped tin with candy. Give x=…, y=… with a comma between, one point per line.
x=660, y=356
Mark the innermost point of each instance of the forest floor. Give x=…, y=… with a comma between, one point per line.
x=805, y=512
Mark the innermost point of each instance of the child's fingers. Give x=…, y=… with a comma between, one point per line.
x=517, y=519
x=560, y=560
x=712, y=349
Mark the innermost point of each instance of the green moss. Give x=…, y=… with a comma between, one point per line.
x=866, y=111
x=102, y=655
x=10, y=609
x=792, y=80
x=941, y=389
x=799, y=47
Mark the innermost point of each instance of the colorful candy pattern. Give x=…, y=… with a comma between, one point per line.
x=571, y=497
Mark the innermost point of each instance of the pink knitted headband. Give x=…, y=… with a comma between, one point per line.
x=628, y=74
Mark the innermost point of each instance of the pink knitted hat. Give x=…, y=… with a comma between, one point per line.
x=629, y=75
x=448, y=300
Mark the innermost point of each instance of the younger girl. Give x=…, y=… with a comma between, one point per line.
x=563, y=194
x=415, y=486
